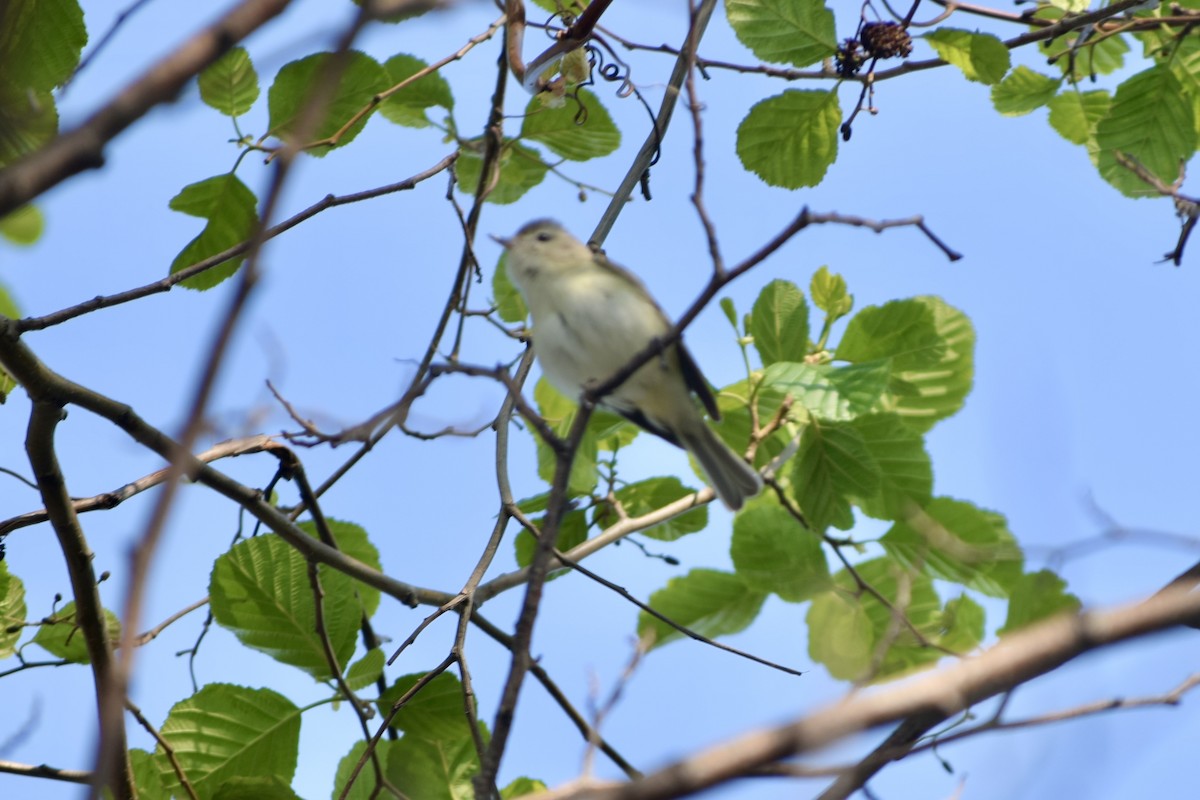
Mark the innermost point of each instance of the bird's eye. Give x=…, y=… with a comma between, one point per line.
x=545, y=236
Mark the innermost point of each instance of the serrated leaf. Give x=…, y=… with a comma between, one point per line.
x=60, y=635
x=12, y=611
x=1080, y=54
x=28, y=120
x=289, y=96
x=1075, y=115
x=832, y=465
x=906, y=473
x=146, y=780
x=365, y=787
x=733, y=401
x=407, y=106
x=366, y=671
x=40, y=42
x=1036, y=596
x=962, y=625
x=779, y=323
x=509, y=303
x=230, y=84
x=434, y=713
x=521, y=787
x=1150, y=120
x=1023, y=91
x=955, y=541
x=260, y=788
x=839, y=635
x=353, y=541
x=856, y=636
x=572, y=530
x=225, y=732
x=231, y=210
x=520, y=170
x=9, y=309
x=705, y=601
x=797, y=32
x=579, y=130
x=828, y=292
x=772, y=552
x=791, y=139
x=902, y=330
x=649, y=495
x=981, y=56
x=260, y=590
x=829, y=392
x=433, y=770
x=23, y=226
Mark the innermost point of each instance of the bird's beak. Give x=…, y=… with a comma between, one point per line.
x=505, y=243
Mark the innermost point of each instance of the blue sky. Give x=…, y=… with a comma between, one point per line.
x=1085, y=392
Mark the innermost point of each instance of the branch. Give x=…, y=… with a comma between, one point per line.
x=83, y=148
x=1017, y=659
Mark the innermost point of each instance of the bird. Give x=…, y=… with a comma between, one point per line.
x=590, y=318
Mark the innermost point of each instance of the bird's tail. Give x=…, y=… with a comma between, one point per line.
x=733, y=479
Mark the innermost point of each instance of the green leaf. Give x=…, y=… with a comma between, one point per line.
x=1036, y=596
x=923, y=394
x=1023, y=91
x=902, y=330
x=223, y=732
x=433, y=770
x=520, y=170
x=734, y=426
x=9, y=309
x=509, y=303
x=1151, y=121
x=366, y=670
x=40, y=42
x=59, y=634
x=855, y=635
x=956, y=541
x=12, y=611
x=260, y=591
x=790, y=140
x=260, y=788
x=28, y=120
x=1073, y=6
x=772, y=552
x=288, y=98
x=906, y=473
x=1075, y=115
x=605, y=430
x=650, y=495
x=840, y=635
x=1096, y=56
x=730, y=311
x=365, y=787
x=434, y=713
x=797, y=32
x=353, y=541
x=231, y=211
x=706, y=601
x=962, y=625
x=828, y=292
x=23, y=226
x=407, y=106
x=145, y=776
x=579, y=129
x=230, y=84
x=572, y=530
x=832, y=465
x=981, y=56
x=573, y=7
x=779, y=323
x=828, y=392
x=521, y=787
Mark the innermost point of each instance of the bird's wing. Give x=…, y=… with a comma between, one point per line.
x=692, y=376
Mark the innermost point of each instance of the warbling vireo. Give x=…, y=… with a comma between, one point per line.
x=590, y=318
